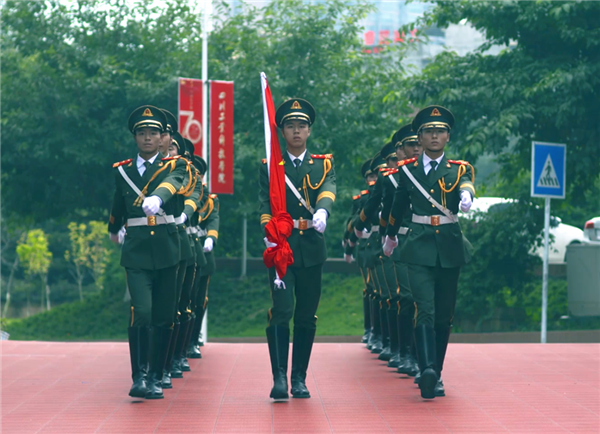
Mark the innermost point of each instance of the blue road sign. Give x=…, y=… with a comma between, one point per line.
x=548, y=170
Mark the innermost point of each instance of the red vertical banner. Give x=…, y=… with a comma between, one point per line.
x=221, y=137
x=190, y=112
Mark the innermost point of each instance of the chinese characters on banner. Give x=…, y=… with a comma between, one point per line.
x=221, y=137
x=190, y=112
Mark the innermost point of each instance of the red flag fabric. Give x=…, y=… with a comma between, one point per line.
x=279, y=228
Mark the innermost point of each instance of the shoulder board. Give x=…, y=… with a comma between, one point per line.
x=356, y=197
x=176, y=157
x=321, y=156
x=372, y=183
x=461, y=162
x=264, y=161
x=403, y=162
x=363, y=192
x=389, y=172
x=213, y=196
x=121, y=163
x=383, y=169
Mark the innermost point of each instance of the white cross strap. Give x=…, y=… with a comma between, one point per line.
x=135, y=187
x=435, y=203
x=292, y=187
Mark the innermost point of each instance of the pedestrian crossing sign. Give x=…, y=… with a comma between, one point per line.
x=548, y=170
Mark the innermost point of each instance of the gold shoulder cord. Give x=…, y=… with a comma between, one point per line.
x=189, y=188
x=211, y=206
x=461, y=171
x=306, y=180
x=171, y=164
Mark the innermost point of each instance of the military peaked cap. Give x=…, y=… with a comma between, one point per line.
x=296, y=109
x=188, y=149
x=200, y=164
x=147, y=116
x=434, y=116
x=179, y=142
x=403, y=135
x=365, y=169
x=172, y=126
x=377, y=163
x=388, y=151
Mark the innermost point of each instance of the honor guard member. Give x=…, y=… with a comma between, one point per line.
x=208, y=233
x=145, y=187
x=435, y=248
x=167, y=138
x=309, y=199
x=194, y=344
x=360, y=244
x=406, y=146
x=176, y=362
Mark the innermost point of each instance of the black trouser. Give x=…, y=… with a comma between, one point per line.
x=434, y=291
x=305, y=283
x=186, y=292
x=152, y=296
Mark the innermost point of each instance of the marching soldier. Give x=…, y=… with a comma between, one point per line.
x=145, y=187
x=435, y=247
x=309, y=204
x=167, y=139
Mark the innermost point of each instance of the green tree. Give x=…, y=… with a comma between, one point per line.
x=99, y=252
x=78, y=254
x=544, y=85
x=36, y=259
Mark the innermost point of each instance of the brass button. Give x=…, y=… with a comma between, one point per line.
x=432, y=190
x=432, y=205
x=301, y=232
x=300, y=203
x=183, y=226
x=151, y=232
x=437, y=231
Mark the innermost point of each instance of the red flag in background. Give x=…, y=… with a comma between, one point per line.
x=279, y=228
x=190, y=112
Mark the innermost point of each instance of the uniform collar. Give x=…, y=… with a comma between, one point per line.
x=427, y=160
x=300, y=157
x=140, y=161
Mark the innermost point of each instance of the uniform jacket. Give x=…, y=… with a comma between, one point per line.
x=210, y=223
x=315, y=181
x=426, y=243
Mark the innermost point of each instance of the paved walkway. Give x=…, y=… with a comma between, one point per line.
x=491, y=388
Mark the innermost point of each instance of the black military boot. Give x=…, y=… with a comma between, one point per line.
x=200, y=316
x=366, y=317
x=425, y=338
x=386, y=353
x=193, y=351
x=166, y=380
x=408, y=364
x=278, y=338
x=174, y=365
x=371, y=301
x=303, y=342
x=138, y=354
x=442, y=336
x=159, y=346
x=179, y=359
x=376, y=342
x=394, y=361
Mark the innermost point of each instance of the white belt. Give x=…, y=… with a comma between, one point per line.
x=303, y=224
x=152, y=220
x=434, y=220
x=179, y=220
x=202, y=232
x=375, y=228
x=403, y=230
x=191, y=231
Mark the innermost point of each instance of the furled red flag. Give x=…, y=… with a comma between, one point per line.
x=279, y=228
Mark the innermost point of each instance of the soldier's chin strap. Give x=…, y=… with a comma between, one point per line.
x=434, y=202
x=292, y=187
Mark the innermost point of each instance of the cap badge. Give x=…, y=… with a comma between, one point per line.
x=147, y=112
x=296, y=106
x=435, y=112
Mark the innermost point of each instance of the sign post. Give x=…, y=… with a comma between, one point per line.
x=548, y=179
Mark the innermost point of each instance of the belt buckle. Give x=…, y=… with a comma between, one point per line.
x=152, y=220
x=435, y=220
x=302, y=224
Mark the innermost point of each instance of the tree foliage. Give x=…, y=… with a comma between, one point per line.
x=544, y=86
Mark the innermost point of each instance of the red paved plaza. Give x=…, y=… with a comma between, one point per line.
x=491, y=388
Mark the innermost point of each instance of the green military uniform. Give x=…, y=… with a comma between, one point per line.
x=150, y=252
x=314, y=181
x=435, y=247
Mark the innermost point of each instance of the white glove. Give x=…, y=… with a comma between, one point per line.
x=389, y=245
x=465, y=201
x=151, y=205
x=122, y=233
x=268, y=243
x=208, y=245
x=320, y=220
x=114, y=238
x=184, y=215
x=348, y=258
x=359, y=234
